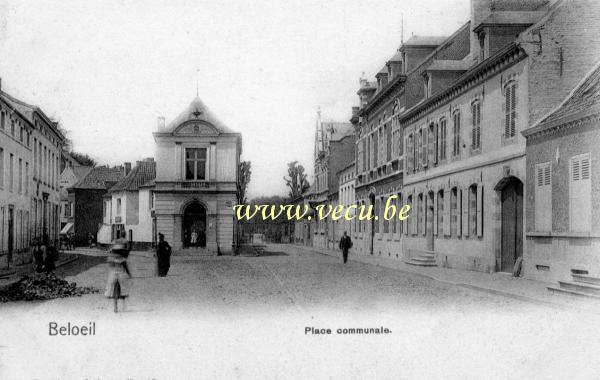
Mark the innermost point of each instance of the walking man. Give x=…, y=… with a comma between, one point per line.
x=345, y=245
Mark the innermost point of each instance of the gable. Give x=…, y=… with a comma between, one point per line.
x=196, y=128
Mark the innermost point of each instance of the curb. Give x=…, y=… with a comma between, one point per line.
x=502, y=293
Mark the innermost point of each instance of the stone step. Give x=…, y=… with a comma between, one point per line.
x=421, y=263
x=572, y=292
x=586, y=279
x=580, y=287
x=424, y=259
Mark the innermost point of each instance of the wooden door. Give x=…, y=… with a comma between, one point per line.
x=512, y=225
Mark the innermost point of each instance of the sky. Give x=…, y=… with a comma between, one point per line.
x=106, y=70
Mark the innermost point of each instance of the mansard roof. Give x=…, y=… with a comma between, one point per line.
x=142, y=174
x=197, y=111
x=27, y=111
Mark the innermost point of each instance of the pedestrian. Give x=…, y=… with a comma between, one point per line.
x=119, y=276
x=345, y=245
x=50, y=257
x=163, y=256
x=194, y=238
x=38, y=256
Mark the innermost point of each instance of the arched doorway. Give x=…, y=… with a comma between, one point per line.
x=194, y=225
x=511, y=200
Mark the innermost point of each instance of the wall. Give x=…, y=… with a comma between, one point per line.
x=88, y=213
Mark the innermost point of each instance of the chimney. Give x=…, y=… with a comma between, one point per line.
x=127, y=168
x=161, y=123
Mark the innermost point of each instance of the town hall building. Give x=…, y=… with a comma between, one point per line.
x=197, y=160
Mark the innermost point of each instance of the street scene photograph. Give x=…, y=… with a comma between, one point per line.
x=381, y=189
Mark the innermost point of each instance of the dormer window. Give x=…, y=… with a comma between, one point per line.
x=427, y=85
x=483, y=47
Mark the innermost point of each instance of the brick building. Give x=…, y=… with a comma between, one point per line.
x=465, y=166
x=334, y=148
x=563, y=189
x=30, y=149
x=86, y=196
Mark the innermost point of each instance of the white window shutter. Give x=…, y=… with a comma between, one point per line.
x=580, y=193
x=479, y=211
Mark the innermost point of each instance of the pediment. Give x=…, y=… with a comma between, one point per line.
x=196, y=128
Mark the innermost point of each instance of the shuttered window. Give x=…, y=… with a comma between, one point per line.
x=476, y=133
x=543, y=197
x=440, y=213
x=431, y=144
x=473, y=210
x=454, y=212
x=580, y=193
x=442, y=139
x=409, y=152
x=510, y=107
x=388, y=141
x=424, y=146
x=456, y=134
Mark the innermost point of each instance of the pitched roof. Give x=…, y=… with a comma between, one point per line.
x=425, y=40
x=101, y=178
x=27, y=110
x=511, y=18
x=397, y=57
x=198, y=111
x=582, y=102
x=143, y=172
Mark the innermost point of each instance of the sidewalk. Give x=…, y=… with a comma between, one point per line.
x=496, y=283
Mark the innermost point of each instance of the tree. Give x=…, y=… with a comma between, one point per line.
x=83, y=159
x=297, y=182
x=244, y=173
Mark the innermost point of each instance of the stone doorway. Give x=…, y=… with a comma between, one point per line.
x=194, y=226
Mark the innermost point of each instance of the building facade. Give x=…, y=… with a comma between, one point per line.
x=464, y=154
x=71, y=174
x=197, y=159
x=29, y=177
x=87, y=196
x=346, y=198
x=128, y=207
x=563, y=189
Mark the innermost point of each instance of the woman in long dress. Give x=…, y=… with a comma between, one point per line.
x=163, y=254
x=119, y=276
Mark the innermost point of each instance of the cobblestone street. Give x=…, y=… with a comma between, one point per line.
x=233, y=317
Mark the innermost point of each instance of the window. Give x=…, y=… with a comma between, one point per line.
x=580, y=193
x=454, y=219
x=440, y=213
x=543, y=197
x=12, y=128
x=442, y=139
x=432, y=149
x=386, y=223
x=510, y=96
x=376, y=211
x=424, y=146
x=473, y=210
x=410, y=153
x=388, y=139
x=118, y=206
x=68, y=209
x=2, y=120
x=1, y=167
x=195, y=163
x=419, y=150
x=11, y=174
x=21, y=134
x=456, y=134
x=27, y=178
x=410, y=220
x=420, y=214
x=476, y=135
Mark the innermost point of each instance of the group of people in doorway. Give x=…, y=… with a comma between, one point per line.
x=44, y=255
x=119, y=275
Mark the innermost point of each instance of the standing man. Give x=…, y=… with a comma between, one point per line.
x=163, y=255
x=345, y=245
